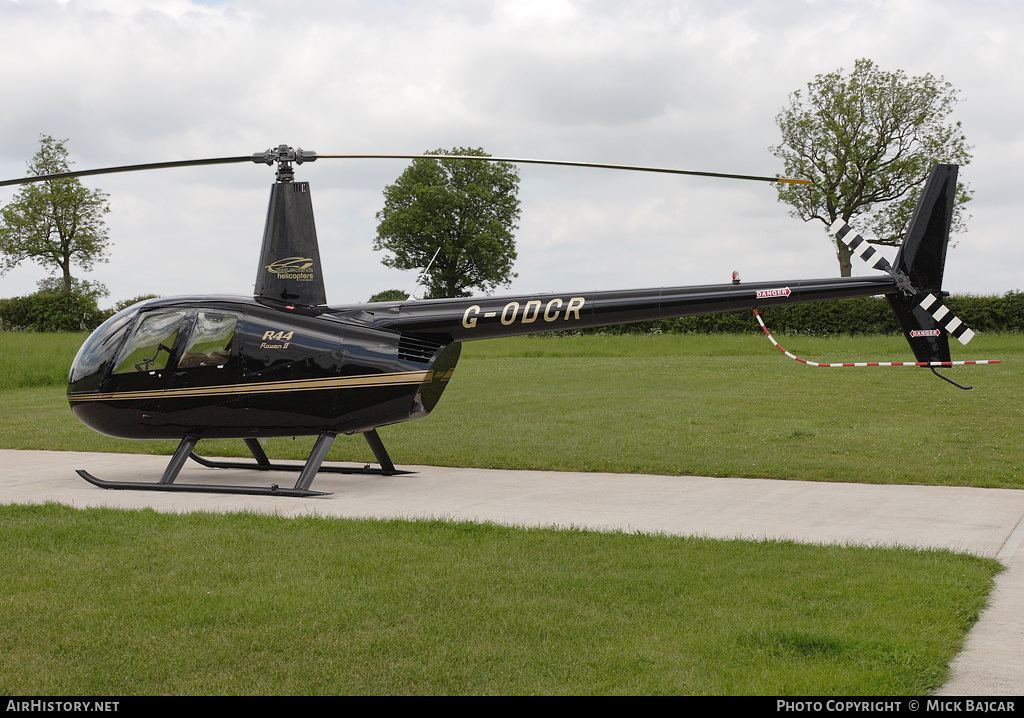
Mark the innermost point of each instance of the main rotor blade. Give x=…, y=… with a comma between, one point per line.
x=632, y=168
x=127, y=168
x=311, y=156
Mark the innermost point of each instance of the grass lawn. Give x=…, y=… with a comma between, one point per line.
x=670, y=404
x=135, y=602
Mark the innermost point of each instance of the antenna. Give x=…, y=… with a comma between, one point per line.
x=423, y=274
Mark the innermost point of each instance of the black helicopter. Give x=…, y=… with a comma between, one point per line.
x=285, y=363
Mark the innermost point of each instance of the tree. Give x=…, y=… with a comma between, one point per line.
x=867, y=141
x=82, y=287
x=55, y=223
x=467, y=208
x=390, y=295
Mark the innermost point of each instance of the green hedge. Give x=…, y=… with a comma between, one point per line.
x=50, y=313
x=865, y=315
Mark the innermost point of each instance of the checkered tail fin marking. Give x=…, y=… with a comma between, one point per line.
x=941, y=314
x=930, y=303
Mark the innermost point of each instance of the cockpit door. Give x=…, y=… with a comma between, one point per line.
x=207, y=390
x=142, y=365
x=210, y=353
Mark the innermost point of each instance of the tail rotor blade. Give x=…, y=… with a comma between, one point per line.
x=948, y=321
x=939, y=312
x=859, y=246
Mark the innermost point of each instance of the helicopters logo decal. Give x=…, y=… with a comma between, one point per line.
x=297, y=268
x=530, y=312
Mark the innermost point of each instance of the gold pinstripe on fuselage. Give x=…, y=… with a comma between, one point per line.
x=341, y=382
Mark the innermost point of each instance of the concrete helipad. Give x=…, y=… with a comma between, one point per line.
x=986, y=522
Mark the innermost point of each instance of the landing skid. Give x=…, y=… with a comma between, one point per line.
x=272, y=490
x=307, y=471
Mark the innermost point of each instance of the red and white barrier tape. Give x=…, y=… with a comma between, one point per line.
x=872, y=363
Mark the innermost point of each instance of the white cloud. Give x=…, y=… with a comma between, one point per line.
x=685, y=84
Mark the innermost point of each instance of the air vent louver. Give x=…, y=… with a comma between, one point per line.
x=419, y=347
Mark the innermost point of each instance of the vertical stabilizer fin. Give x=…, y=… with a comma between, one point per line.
x=925, y=320
x=919, y=265
x=922, y=256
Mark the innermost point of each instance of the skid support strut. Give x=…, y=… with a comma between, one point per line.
x=178, y=460
x=377, y=447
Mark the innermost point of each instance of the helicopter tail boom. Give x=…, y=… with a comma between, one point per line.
x=490, y=317
x=912, y=285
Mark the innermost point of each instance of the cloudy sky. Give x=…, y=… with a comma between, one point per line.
x=690, y=84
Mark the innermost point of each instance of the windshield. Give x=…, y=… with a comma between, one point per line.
x=101, y=346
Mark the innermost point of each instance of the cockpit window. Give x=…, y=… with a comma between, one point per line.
x=99, y=348
x=150, y=346
x=210, y=344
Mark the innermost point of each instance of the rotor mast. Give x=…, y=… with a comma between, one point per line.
x=289, y=270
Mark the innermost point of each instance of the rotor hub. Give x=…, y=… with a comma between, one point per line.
x=284, y=156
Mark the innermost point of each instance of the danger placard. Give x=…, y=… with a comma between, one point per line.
x=767, y=293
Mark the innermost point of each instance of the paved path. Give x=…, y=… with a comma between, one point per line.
x=986, y=522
